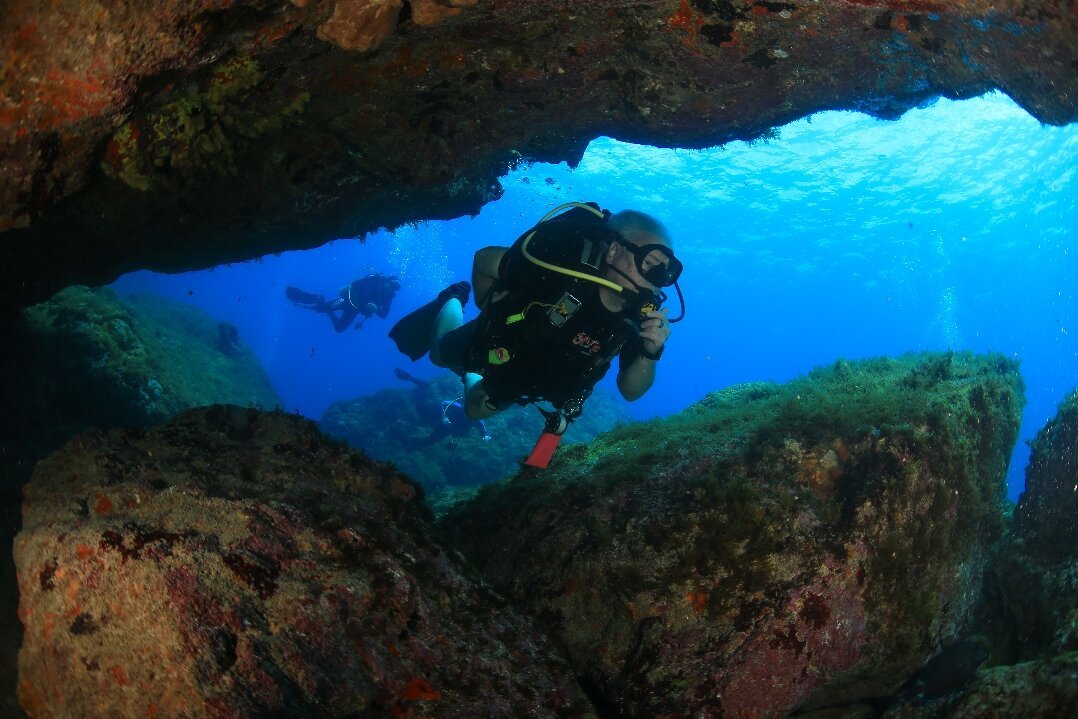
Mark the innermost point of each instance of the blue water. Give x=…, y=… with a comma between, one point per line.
x=952, y=227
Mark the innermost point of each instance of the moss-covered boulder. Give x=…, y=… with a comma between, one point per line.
x=405, y=426
x=236, y=563
x=1041, y=689
x=1033, y=590
x=773, y=546
x=88, y=359
x=1048, y=508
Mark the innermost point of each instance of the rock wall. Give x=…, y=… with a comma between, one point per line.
x=1029, y=624
x=1044, y=518
x=180, y=135
x=1034, y=583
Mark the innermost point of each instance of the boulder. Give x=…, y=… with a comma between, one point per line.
x=1045, y=517
x=773, y=546
x=1032, y=612
x=1040, y=689
x=89, y=359
x=233, y=562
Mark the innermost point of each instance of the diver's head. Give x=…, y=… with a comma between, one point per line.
x=640, y=258
x=394, y=284
x=641, y=254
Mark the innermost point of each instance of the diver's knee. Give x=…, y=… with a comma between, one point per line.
x=450, y=317
x=480, y=410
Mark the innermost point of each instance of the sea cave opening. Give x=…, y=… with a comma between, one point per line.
x=841, y=237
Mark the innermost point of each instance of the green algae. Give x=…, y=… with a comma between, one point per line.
x=204, y=127
x=918, y=397
x=89, y=359
x=1033, y=584
x=162, y=354
x=757, y=485
x=1045, y=514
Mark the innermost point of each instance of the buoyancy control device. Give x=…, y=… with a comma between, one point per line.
x=548, y=338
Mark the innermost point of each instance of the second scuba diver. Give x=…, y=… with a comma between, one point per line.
x=366, y=296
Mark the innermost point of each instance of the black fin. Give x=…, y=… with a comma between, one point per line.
x=303, y=297
x=412, y=332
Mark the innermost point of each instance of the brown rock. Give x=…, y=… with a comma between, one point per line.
x=360, y=25
x=169, y=136
x=432, y=12
x=236, y=563
x=689, y=569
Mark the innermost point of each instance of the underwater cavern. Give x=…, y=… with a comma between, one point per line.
x=836, y=545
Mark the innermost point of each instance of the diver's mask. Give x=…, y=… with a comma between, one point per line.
x=658, y=266
x=655, y=263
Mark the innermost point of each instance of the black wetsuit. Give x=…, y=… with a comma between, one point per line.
x=559, y=362
x=549, y=337
x=370, y=295
x=454, y=423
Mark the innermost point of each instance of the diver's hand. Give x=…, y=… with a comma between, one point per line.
x=655, y=331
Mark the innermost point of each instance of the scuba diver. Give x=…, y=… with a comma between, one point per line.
x=405, y=376
x=577, y=290
x=455, y=420
x=455, y=423
x=367, y=296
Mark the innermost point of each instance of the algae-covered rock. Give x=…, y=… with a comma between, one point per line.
x=774, y=546
x=405, y=426
x=1047, y=510
x=88, y=359
x=1044, y=689
x=1032, y=611
x=235, y=563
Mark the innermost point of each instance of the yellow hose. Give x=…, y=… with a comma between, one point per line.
x=563, y=270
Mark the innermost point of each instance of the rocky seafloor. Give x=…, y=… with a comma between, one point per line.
x=774, y=549
x=404, y=426
x=87, y=358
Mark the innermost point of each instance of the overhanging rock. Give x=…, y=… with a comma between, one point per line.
x=173, y=136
